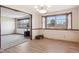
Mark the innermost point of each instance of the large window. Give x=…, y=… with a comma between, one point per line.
x=58, y=21
x=23, y=24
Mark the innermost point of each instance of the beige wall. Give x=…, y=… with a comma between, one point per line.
x=78, y=25
x=78, y=17
x=75, y=18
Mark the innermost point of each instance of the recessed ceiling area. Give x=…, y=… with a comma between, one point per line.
x=13, y=14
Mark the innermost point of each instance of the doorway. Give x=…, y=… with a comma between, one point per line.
x=16, y=27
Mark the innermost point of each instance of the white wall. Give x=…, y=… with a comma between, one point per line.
x=64, y=34
x=36, y=23
x=54, y=34
x=61, y=35
x=36, y=18
x=21, y=31
x=7, y=25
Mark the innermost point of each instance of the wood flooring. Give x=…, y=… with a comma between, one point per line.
x=44, y=46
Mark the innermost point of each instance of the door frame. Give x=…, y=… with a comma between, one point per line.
x=17, y=11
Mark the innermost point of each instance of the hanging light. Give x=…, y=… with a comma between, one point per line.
x=41, y=9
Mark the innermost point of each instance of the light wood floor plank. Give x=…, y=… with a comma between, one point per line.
x=45, y=46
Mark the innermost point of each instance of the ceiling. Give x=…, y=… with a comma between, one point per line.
x=13, y=14
x=52, y=8
x=30, y=9
x=60, y=7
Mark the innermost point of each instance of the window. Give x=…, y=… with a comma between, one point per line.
x=58, y=21
x=23, y=24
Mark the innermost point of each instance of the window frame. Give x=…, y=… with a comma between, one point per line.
x=59, y=15
x=21, y=24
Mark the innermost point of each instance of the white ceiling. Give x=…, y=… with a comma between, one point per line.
x=30, y=9
x=53, y=8
x=60, y=7
x=13, y=14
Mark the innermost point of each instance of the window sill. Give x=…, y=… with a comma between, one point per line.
x=55, y=29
